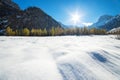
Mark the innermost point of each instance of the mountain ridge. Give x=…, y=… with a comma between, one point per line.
x=107, y=22
x=32, y=17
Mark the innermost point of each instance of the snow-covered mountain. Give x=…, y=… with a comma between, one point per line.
x=102, y=20
x=107, y=22
x=113, y=23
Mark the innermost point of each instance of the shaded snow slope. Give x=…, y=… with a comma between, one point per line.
x=114, y=30
x=60, y=58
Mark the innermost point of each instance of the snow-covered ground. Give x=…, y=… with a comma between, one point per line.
x=60, y=58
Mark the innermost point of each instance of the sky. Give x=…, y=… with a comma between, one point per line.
x=74, y=12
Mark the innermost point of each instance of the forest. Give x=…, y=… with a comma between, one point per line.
x=54, y=31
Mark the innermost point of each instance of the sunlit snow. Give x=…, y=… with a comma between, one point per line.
x=60, y=58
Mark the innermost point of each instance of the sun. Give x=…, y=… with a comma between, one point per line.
x=75, y=17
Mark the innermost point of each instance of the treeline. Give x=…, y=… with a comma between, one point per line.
x=54, y=31
x=84, y=31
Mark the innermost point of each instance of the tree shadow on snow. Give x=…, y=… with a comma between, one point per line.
x=98, y=57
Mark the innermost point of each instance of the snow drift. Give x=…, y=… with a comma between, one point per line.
x=60, y=58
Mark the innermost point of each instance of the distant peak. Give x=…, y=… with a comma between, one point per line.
x=105, y=17
x=33, y=8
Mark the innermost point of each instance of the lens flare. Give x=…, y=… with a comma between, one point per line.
x=75, y=17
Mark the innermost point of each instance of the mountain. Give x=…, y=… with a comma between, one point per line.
x=65, y=26
x=112, y=23
x=102, y=20
x=7, y=10
x=39, y=19
x=32, y=17
x=107, y=22
x=69, y=26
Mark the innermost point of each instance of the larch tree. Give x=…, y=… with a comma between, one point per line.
x=26, y=32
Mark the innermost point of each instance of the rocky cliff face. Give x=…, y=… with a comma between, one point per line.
x=7, y=8
x=35, y=17
x=32, y=17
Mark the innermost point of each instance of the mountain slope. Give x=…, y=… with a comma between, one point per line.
x=113, y=23
x=102, y=20
x=39, y=19
x=32, y=17
x=7, y=8
x=107, y=22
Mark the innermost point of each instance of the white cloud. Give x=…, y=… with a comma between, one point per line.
x=87, y=24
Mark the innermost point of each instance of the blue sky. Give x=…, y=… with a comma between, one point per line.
x=89, y=10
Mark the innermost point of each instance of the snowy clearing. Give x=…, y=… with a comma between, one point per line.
x=60, y=58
